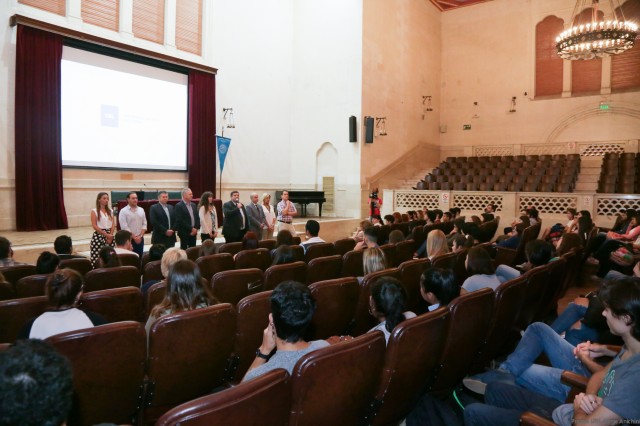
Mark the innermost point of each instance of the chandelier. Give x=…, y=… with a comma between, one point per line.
x=597, y=38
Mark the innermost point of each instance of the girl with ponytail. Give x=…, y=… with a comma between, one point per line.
x=387, y=305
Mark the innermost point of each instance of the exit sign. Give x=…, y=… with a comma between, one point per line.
x=466, y=127
x=604, y=106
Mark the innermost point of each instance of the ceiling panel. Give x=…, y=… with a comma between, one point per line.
x=445, y=5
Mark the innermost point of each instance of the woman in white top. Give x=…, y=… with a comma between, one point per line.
x=104, y=226
x=387, y=304
x=270, y=216
x=64, y=290
x=208, y=217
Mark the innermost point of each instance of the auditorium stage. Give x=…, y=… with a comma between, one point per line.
x=27, y=246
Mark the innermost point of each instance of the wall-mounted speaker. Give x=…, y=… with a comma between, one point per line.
x=353, y=130
x=368, y=129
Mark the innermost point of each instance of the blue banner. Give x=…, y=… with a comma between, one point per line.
x=223, y=149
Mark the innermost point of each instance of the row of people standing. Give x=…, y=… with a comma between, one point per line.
x=185, y=220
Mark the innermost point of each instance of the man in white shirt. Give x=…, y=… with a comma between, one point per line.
x=312, y=229
x=123, y=243
x=133, y=219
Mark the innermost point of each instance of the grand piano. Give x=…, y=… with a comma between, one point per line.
x=304, y=198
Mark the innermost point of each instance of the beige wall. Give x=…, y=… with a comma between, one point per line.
x=488, y=56
x=401, y=63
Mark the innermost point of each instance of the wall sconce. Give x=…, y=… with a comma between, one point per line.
x=475, y=110
x=513, y=104
x=426, y=102
x=381, y=126
x=227, y=119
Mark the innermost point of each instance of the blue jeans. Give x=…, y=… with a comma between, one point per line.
x=505, y=403
x=539, y=338
x=567, y=318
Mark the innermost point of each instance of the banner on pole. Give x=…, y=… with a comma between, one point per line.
x=223, y=149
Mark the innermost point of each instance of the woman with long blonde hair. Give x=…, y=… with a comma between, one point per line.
x=436, y=244
x=104, y=227
x=373, y=260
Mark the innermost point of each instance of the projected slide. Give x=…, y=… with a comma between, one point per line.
x=121, y=114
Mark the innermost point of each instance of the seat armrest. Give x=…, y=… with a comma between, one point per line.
x=574, y=380
x=530, y=419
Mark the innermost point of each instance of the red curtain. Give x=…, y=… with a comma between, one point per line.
x=202, y=132
x=39, y=196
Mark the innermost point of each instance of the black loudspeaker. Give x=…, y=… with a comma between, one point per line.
x=368, y=129
x=353, y=131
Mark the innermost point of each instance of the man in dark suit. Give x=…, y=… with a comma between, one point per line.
x=255, y=214
x=187, y=220
x=163, y=220
x=235, y=219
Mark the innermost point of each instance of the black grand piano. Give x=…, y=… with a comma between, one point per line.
x=304, y=198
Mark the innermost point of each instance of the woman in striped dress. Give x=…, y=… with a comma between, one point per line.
x=104, y=225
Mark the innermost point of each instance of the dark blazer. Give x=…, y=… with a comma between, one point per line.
x=183, y=220
x=160, y=225
x=232, y=224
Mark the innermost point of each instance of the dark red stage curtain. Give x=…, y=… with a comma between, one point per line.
x=202, y=132
x=39, y=197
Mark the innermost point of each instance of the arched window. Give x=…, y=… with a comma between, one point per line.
x=548, y=63
x=625, y=68
x=586, y=76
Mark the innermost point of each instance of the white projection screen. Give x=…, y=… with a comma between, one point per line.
x=120, y=114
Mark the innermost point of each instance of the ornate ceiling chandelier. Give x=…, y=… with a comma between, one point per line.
x=598, y=37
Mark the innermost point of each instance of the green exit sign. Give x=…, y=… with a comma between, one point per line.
x=604, y=106
x=466, y=127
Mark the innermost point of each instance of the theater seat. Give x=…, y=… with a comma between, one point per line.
x=231, y=248
x=108, y=371
x=319, y=250
x=410, y=273
x=232, y=286
x=344, y=245
x=81, y=265
x=15, y=313
x=256, y=258
x=352, y=264
x=412, y=355
x=334, y=385
x=33, y=285
x=129, y=259
x=324, y=268
x=155, y=295
x=214, y=263
x=152, y=271
x=267, y=244
x=193, y=253
x=188, y=354
x=252, y=318
x=274, y=275
x=336, y=302
x=13, y=273
x=104, y=278
x=266, y=398
x=115, y=304
x=362, y=320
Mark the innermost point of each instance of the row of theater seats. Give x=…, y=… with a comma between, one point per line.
x=191, y=353
x=529, y=173
x=620, y=173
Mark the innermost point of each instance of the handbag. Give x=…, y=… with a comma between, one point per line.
x=622, y=256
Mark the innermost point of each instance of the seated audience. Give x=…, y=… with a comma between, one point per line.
x=387, y=304
x=373, y=260
x=292, y=308
x=359, y=235
x=533, y=215
x=64, y=248
x=609, y=395
x=207, y=248
x=370, y=239
x=486, y=217
x=481, y=271
x=156, y=251
x=438, y=287
x=108, y=258
x=460, y=242
x=169, y=258
x=249, y=242
x=566, y=243
x=556, y=231
x=64, y=290
x=514, y=240
x=36, y=385
x=389, y=219
x=185, y=292
x=123, y=242
x=282, y=255
x=47, y=263
x=455, y=212
x=376, y=220
x=6, y=253
x=312, y=229
x=396, y=236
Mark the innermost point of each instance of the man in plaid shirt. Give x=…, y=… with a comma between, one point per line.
x=286, y=211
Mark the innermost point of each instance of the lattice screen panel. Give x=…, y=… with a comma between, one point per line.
x=545, y=149
x=466, y=201
x=613, y=206
x=548, y=204
x=486, y=151
x=601, y=149
x=417, y=200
